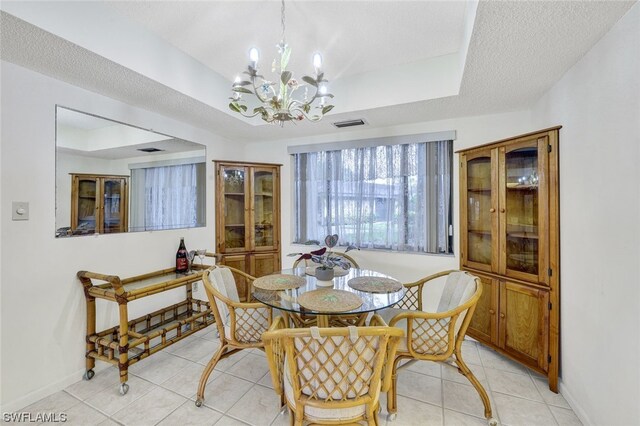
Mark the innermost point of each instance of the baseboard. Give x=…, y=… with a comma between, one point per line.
x=575, y=405
x=35, y=396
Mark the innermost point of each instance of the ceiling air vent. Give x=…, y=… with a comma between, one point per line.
x=349, y=123
x=150, y=149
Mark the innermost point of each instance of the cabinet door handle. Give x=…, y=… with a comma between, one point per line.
x=502, y=315
x=502, y=210
x=492, y=210
x=491, y=311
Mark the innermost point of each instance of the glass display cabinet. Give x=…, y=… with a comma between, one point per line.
x=509, y=229
x=248, y=218
x=99, y=204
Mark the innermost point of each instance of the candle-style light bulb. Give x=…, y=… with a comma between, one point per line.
x=237, y=80
x=322, y=90
x=317, y=61
x=254, y=56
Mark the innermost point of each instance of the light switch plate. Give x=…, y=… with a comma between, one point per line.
x=20, y=210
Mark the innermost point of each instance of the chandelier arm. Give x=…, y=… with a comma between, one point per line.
x=250, y=115
x=315, y=95
x=307, y=116
x=255, y=90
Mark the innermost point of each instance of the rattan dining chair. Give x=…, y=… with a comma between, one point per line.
x=331, y=375
x=436, y=336
x=240, y=324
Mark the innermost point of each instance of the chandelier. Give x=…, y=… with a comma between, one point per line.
x=286, y=99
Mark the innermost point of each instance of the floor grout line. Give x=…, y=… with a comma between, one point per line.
x=534, y=377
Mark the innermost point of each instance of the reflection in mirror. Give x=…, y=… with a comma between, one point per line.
x=112, y=177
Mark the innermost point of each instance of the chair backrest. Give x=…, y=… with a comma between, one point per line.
x=220, y=288
x=340, y=367
x=458, y=289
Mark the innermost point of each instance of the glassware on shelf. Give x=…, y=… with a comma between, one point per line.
x=531, y=180
x=191, y=255
x=201, y=253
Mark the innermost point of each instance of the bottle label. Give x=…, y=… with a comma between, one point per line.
x=182, y=264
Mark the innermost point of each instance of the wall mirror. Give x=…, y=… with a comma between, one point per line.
x=112, y=177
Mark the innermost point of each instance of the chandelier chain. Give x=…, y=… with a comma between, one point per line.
x=282, y=19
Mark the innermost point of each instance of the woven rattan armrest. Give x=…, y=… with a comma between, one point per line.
x=451, y=315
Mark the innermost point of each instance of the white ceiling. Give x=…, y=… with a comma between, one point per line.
x=76, y=120
x=83, y=134
x=516, y=52
x=354, y=37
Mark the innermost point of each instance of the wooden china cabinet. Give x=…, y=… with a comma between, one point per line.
x=99, y=203
x=248, y=218
x=509, y=222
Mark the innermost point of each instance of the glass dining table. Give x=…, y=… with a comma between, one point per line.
x=288, y=301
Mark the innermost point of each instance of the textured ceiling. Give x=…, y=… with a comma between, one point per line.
x=354, y=37
x=518, y=50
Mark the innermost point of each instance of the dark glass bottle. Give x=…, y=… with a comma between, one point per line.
x=182, y=264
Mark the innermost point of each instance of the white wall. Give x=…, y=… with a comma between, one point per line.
x=405, y=267
x=42, y=304
x=598, y=104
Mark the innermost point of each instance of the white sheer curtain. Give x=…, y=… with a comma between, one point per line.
x=168, y=197
x=386, y=197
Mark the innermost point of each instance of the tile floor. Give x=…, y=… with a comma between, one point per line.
x=162, y=392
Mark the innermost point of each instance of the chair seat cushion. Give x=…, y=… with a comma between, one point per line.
x=319, y=414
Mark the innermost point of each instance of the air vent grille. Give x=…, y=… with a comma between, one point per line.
x=150, y=149
x=349, y=123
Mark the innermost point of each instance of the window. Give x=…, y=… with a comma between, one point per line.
x=391, y=197
x=168, y=197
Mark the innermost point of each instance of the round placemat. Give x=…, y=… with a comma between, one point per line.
x=279, y=282
x=329, y=300
x=375, y=284
x=337, y=272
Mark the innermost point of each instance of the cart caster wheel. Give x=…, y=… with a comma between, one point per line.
x=198, y=402
x=492, y=422
x=88, y=375
x=124, y=388
x=391, y=417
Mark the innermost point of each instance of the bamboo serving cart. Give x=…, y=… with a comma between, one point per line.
x=134, y=340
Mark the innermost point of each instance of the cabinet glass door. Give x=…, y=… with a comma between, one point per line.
x=112, y=213
x=87, y=207
x=522, y=186
x=234, y=190
x=480, y=212
x=264, y=213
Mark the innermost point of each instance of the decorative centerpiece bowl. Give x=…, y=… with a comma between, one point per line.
x=326, y=258
x=324, y=275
